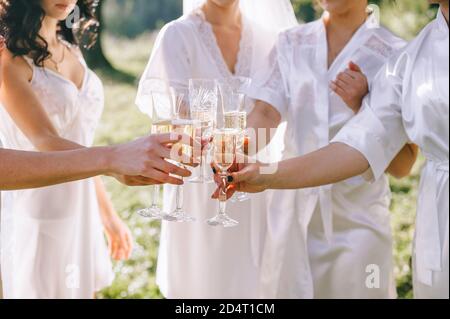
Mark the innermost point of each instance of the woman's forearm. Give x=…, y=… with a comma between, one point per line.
x=329, y=165
x=104, y=202
x=21, y=170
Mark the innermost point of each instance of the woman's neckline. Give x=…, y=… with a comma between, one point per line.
x=212, y=43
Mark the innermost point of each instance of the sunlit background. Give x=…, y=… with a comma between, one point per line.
x=128, y=30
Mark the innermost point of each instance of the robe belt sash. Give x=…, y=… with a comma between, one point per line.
x=428, y=250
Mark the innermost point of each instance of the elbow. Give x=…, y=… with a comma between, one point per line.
x=400, y=172
x=403, y=165
x=270, y=115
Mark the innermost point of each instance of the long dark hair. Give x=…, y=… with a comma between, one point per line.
x=21, y=21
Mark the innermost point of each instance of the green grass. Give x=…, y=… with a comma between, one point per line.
x=123, y=122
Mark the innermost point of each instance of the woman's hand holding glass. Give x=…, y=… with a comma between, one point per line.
x=146, y=158
x=224, y=155
x=166, y=104
x=233, y=101
x=242, y=176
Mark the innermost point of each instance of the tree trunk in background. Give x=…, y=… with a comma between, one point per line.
x=95, y=56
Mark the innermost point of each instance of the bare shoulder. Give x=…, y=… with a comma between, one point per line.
x=14, y=66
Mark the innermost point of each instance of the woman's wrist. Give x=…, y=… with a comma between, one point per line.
x=106, y=162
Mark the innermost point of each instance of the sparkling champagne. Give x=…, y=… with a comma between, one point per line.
x=189, y=128
x=236, y=120
x=206, y=118
x=225, y=148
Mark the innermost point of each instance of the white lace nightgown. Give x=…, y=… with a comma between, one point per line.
x=52, y=240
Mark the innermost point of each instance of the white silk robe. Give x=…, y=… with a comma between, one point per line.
x=409, y=102
x=317, y=236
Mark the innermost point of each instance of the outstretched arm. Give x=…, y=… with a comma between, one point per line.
x=332, y=164
x=20, y=170
x=143, y=158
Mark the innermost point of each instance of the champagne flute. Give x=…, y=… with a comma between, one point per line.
x=161, y=115
x=234, y=105
x=224, y=150
x=203, y=97
x=182, y=124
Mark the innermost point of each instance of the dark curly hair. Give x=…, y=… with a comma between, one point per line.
x=21, y=21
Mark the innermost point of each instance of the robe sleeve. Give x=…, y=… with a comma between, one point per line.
x=270, y=85
x=169, y=60
x=377, y=131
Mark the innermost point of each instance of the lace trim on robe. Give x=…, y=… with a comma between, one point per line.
x=244, y=59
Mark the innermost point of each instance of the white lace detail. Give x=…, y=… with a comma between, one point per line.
x=296, y=38
x=275, y=79
x=244, y=59
x=379, y=46
x=74, y=112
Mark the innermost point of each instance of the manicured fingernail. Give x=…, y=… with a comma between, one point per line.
x=230, y=179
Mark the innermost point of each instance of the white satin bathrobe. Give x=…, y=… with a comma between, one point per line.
x=320, y=241
x=196, y=260
x=409, y=102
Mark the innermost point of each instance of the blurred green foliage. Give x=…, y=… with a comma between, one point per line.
x=130, y=18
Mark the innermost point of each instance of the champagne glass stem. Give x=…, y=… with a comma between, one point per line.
x=154, y=196
x=179, y=198
x=223, y=195
x=202, y=167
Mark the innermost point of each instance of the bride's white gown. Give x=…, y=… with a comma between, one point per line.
x=52, y=240
x=196, y=260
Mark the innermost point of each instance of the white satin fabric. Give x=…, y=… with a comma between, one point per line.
x=52, y=238
x=342, y=228
x=196, y=260
x=409, y=102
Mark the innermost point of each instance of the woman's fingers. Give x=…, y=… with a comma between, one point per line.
x=113, y=248
x=139, y=181
x=354, y=75
x=242, y=176
x=338, y=88
x=345, y=77
x=354, y=67
x=216, y=193
x=175, y=152
x=144, y=181
x=124, y=252
x=129, y=242
x=162, y=177
x=168, y=138
x=231, y=189
x=169, y=168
